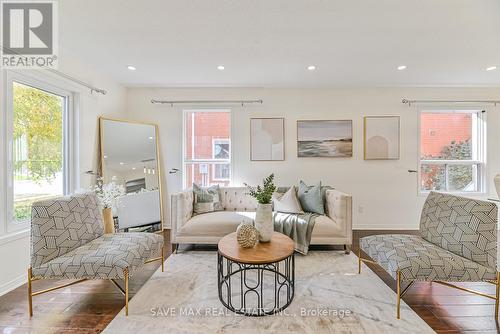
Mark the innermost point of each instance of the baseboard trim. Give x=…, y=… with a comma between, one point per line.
x=13, y=284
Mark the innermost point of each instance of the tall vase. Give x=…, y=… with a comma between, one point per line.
x=264, y=222
x=109, y=224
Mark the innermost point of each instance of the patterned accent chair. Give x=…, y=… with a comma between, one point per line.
x=67, y=242
x=457, y=243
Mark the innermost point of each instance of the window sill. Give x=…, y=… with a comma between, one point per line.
x=13, y=236
x=458, y=193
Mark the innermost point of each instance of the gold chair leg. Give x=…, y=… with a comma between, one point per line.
x=359, y=261
x=30, y=293
x=125, y=274
x=497, y=295
x=398, y=303
x=162, y=259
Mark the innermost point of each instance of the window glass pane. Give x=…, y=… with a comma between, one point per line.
x=449, y=177
x=207, y=174
x=221, y=149
x=446, y=136
x=222, y=172
x=433, y=177
x=37, y=148
x=461, y=178
x=207, y=150
x=207, y=135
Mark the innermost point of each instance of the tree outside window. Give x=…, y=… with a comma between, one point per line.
x=37, y=147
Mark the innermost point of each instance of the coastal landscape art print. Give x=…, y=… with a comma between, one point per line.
x=331, y=139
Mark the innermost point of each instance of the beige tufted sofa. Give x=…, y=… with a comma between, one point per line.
x=335, y=228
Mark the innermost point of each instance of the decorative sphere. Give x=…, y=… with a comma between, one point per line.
x=247, y=235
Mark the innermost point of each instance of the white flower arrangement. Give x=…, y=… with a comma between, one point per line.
x=108, y=194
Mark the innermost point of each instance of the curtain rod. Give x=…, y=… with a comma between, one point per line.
x=63, y=75
x=242, y=102
x=81, y=83
x=410, y=102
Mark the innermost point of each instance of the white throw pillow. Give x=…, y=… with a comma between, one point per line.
x=287, y=202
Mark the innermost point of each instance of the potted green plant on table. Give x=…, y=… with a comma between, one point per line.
x=264, y=216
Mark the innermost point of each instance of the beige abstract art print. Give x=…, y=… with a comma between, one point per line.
x=267, y=139
x=381, y=137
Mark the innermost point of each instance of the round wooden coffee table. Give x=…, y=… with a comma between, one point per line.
x=256, y=281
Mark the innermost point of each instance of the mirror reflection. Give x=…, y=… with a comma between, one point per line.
x=129, y=157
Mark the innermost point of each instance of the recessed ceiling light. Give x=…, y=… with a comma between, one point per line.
x=133, y=168
x=122, y=163
x=401, y=67
x=491, y=68
x=311, y=67
x=221, y=67
x=132, y=68
x=105, y=157
x=150, y=138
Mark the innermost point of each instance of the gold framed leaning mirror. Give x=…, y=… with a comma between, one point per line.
x=129, y=156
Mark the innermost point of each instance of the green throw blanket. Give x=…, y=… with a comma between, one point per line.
x=296, y=226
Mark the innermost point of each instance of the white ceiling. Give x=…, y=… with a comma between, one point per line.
x=271, y=42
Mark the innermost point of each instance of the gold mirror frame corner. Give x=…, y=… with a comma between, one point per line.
x=158, y=161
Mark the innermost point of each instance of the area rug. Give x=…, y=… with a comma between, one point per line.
x=330, y=297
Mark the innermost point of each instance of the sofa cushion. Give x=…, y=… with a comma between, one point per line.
x=310, y=198
x=206, y=199
x=464, y=226
x=104, y=257
x=418, y=259
x=221, y=223
x=215, y=224
x=287, y=202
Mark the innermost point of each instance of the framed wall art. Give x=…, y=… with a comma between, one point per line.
x=267, y=139
x=381, y=137
x=324, y=138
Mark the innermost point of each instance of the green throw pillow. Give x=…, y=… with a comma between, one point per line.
x=311, y=199
x=206, y=199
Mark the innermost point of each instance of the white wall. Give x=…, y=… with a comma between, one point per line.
x=384, y=193
x=14, y=247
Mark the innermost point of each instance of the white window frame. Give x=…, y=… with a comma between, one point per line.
x=212, y=161
x=481, y=135
x=70, y=151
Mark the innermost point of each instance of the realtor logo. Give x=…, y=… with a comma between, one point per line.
x=29, y=34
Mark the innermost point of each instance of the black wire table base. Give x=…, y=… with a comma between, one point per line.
x=256, y=289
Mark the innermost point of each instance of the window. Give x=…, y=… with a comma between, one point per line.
x=37, y=129
x=452, y=151
x=221, y=151
x=207, y=147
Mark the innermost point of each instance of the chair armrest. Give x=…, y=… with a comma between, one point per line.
x=338, y=207
x=181, y=210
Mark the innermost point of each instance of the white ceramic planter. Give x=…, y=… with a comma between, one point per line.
x=264, y=222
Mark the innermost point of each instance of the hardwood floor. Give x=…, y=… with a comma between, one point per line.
x=84, y=308
x=89, y=306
